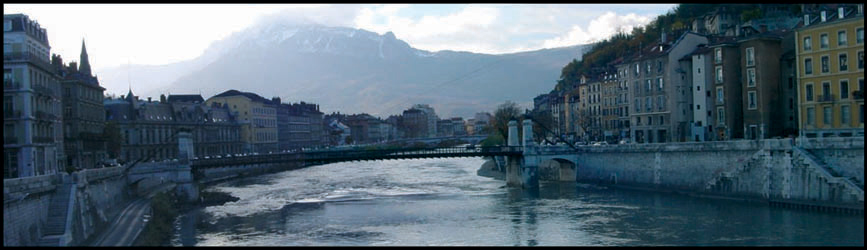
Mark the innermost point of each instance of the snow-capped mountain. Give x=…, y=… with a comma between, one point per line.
x=354, y=70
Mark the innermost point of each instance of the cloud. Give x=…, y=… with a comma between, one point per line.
x=599, y=29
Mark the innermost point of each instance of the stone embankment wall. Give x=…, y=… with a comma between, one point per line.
x=100, y=194
x=829, y=171
x=25, y=208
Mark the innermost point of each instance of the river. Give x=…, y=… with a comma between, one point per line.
x=442, y=202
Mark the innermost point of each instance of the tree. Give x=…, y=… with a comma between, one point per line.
x=113, y=139
x=506, y=112
x=542, y=118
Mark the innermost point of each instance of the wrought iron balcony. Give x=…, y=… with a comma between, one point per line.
x=825, y=98
x=858, y=95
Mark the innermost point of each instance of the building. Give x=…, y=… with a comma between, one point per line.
x=32, y=106
x=702, y=85
x=299, y=125
x=84, y=114
x=214, y=128
x=830, y=58
x=727, y=111
x=431, y=119
x=415, y=123
x=149, y=128
x=661, y=100
x=257, y=115
x=610, y=119
x=763, y=91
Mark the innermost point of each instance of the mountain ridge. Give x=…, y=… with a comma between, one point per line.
x=354, y=70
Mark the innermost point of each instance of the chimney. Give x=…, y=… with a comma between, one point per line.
x=162, y=98
x=149, y=99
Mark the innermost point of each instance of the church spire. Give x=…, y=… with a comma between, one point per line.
x=84, y=67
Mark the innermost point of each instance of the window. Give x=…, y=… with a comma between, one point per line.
x=826, y=91
x=827, y=115
x=7, y=25
x=648, y=85
x=751, y=96
x=823, y=41
x=719, y=95
x=719, y=74
x=751, y=77
x=637, y=69
x=811, y=116
x=648, y=103
x=859, y=35
x=659, y=81
x=860, y=59
x=844, y=115
x=658, y=66
x=751, y=56
x=825, y=62
x=661, y=121
x=637, y=106
x=841, y=38
x=809, y=92
x=647, y=66
x=808, y=43
x=844, y=89
x=660, y=102
x=808, y=66
x=717, y=55
x=844, y=62
x=721, y=116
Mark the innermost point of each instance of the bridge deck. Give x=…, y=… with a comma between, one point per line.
x=329, y=156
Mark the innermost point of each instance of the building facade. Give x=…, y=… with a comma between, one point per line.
x=32, y=106
x=830, y=58
x=257, y=115
x=84, y=114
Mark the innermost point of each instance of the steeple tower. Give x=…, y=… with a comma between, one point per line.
x=84, y=68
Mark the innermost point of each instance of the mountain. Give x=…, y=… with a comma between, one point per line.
x=353, y=71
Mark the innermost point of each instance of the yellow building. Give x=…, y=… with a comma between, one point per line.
x=258, y=117
x=830, y=57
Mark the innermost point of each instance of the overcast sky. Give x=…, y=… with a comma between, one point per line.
x=159, y=34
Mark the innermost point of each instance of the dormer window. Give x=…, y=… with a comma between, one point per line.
x=824, y=17
x=806, y=19
x=840, y=13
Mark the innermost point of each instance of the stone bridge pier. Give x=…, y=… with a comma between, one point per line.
x=553, y=163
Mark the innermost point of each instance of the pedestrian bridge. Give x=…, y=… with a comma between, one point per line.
x=342, y=155
x=524, y=159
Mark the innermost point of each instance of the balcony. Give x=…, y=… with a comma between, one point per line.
x=12, y=114
x=41, y=139
x=27, y=57
x=10, y=140
x=45, y=116
x=44, y=90
x=11, y=85
x=825, y=98
x=858, y=95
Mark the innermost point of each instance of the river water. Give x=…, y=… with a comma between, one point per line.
x=443, y=202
